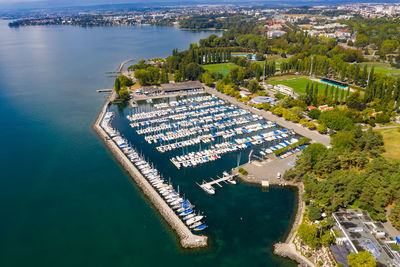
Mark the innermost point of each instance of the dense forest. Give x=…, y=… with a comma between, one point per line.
x=350, y=174
x=381, y=34
x=223, y=21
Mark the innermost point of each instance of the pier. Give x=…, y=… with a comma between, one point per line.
x=103, y=90
x=206, y=186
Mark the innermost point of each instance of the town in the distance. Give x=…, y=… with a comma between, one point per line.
x=305, y=97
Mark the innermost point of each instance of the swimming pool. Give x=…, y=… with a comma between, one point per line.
x=334, y=83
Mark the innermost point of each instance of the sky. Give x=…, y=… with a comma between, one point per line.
x=29, y=4
x=12, y=4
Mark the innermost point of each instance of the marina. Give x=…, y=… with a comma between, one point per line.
x=164, y=188
x=191, y=131
x=175, y=208
x=205, y=128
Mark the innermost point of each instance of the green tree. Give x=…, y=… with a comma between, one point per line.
x=311, y=125
x=314, y=213
x=321, y=128
x=117, y=85
x=125, y=81
x=335, y=120
x=337, y=95
x=343, y=140
x=354, y=101
x=331, y=91
x=193, y=71
x=361, y=259
x=124, y=94
x=207, y=79
x=253, y=86
x=315, y=151
x=394, y=216
x=361, y=40
x=314, y=114
x=177, y=76
x=308, y=89
x=309, y=235
x=327, y=238
x=341, y=96
x=316, y=92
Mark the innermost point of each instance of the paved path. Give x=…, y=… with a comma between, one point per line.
x=267, y=170
x=388, y=225
x=303, y=131
x=385, y=127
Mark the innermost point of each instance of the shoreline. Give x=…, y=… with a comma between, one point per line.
x=187, y=238
x=287, y=249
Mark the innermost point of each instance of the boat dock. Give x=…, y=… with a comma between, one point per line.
x=103, y=90
x=207, y=186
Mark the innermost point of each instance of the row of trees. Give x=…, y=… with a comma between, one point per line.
x=222, y=21
x=382, y=87
x=211, y=55
x=331, y=95
x=329, y=67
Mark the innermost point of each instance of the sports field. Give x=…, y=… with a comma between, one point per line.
x=298, y=84
x=223, y=68
x=383, y=68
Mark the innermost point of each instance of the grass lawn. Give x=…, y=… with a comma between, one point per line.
x=383, y=68
x=297, y=82
x=223, y=68
x=394, y=247
x=391, y=139
x=278, y=61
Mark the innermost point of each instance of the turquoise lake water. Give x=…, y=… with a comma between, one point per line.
x=65, y=201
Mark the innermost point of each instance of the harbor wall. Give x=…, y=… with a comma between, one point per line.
x=187, y=238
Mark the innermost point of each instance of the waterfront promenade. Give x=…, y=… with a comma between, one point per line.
x=187, y=238
x=313, y=135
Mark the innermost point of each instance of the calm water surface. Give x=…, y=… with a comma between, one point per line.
x=64, y=200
